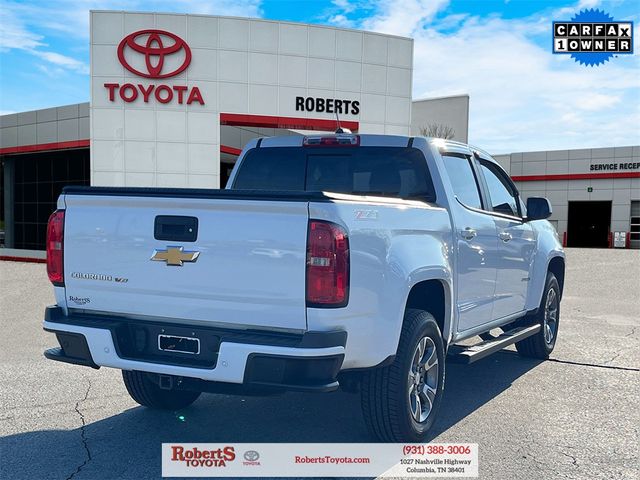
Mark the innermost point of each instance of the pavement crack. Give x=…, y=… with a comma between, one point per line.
x=575, y=462
x=530, y=456
x=83, y=434
x=615, y=355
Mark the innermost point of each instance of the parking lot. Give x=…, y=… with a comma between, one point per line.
x=575, y=416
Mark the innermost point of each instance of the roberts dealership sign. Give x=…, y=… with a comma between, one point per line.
x=154, y=54
x=328, y=105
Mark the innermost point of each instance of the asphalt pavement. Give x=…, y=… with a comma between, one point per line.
x=575, y=416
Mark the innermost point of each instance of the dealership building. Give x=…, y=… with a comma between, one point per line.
x=174, y=98
x=595, y=193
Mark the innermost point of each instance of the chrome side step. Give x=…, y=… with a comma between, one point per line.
x=473, y=353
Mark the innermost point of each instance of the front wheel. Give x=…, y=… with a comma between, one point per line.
x=542, y=343
x=148, y=394
x=400, y=401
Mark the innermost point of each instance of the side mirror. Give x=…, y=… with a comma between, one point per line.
x=538, y=208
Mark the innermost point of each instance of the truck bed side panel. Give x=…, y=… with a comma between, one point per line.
x=392, y=247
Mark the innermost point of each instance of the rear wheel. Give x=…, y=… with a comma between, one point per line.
x=148, y=394
x=542, y=343
x=400, y=401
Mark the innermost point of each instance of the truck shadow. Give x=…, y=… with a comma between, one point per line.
x=469, y=387
x=127, y=445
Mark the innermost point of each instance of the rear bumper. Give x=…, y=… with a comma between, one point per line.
x=309, y=361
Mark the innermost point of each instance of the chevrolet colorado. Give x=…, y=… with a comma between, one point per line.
x=353, y=261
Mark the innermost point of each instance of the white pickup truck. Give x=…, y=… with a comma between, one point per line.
x=353, y=261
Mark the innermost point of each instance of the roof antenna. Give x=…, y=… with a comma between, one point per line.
x=340, y=129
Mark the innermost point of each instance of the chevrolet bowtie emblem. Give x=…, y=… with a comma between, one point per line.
x=175, y=256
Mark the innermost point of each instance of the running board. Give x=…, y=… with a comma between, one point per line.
x=473, y=353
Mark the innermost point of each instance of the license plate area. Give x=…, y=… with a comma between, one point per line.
x=176, y=344
x=141, y=340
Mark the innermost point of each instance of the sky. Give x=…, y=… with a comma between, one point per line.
x=522, y=97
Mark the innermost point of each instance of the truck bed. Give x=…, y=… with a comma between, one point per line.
x=248, y=265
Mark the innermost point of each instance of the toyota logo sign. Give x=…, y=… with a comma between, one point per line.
x=162, y=54
x=154, y=51
x=251, y=456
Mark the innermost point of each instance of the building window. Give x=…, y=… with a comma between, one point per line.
x=39, y=180
x=635, y=224
x=1, y=203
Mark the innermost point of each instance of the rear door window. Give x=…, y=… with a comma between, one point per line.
x=463, y=180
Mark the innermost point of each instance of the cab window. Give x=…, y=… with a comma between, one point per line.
x=504, y=198
x=399, y=172
x=463, y=180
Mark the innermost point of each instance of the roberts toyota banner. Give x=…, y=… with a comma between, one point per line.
x=319, y=460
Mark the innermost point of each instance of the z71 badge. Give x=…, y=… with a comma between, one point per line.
x=366, y=214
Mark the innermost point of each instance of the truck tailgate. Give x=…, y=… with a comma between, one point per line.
x=250, y=270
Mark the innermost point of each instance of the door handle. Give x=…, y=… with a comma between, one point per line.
x=468, y=233
x=505, y=236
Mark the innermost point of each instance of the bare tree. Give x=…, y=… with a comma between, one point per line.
x=437, y=130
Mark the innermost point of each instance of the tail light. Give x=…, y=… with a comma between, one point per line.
x=327, y=265
x=55, y=243
x=341, y=140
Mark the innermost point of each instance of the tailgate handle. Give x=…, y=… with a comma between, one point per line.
x=176, y=228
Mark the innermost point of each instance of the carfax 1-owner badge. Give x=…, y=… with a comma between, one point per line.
x=592, y=37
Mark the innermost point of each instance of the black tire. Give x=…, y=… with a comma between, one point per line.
x=541, y=345
x=385, y=392
x=148, y=394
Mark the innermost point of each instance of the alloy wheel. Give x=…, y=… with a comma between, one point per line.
x=550, y=316
x=423, y=379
